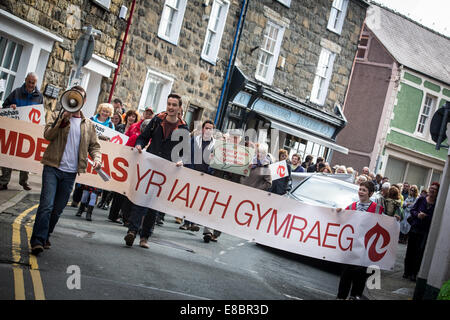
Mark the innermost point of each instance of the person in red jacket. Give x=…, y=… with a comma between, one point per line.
x=352, y=276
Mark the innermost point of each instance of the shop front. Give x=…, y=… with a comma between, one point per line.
x=299, y=128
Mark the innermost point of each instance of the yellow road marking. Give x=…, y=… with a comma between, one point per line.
x=34, y=271
x=19, y=285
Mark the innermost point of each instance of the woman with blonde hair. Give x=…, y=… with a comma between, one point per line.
x=103, y=116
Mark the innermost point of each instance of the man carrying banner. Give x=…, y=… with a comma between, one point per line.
x=72, y=137
x=28, y=94
x=159, y=130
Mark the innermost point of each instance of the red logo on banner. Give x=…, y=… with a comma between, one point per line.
x=281, y=171
x=378, y=231
x=35, y=116
x=116, y=139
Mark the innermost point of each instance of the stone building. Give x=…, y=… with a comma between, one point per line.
x=398, y=82
x=299, y=52
x=296, y=58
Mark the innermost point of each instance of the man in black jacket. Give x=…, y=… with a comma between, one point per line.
x=159, y=131
x=27, y=95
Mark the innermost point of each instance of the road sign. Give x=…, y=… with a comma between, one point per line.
x=81, y=57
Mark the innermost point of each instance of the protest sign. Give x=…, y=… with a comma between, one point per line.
x=33, y=114
x=350, y=237
x=278, y=170
x=113, y=135
x=232, y=157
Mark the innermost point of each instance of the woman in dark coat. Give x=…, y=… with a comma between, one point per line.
x=420, y=220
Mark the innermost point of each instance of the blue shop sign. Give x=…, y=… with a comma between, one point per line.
x=281, y=113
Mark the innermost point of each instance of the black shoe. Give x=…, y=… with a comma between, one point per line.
x=47, y=245
x=405, y=276
x=100, y=204
x=184, y=227
x=3, y=187
x=26, y=186
x=129, y=238
x=36, y=249
x=194, y=227
x=207, y=237
x=413, y=278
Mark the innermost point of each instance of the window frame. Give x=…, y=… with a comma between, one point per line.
x=335, y=22
x=16, y=56
x=323, y=85
x=167, y=82
x=215, y=46
x=425, y=134
x=270, y=73
x=176, y=28
x=286, y=3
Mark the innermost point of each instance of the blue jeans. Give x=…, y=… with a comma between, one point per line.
x=142, y=219
x=56, y=188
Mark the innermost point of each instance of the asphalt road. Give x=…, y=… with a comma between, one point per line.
x=89, y=261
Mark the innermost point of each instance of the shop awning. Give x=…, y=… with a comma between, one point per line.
x=307, y=136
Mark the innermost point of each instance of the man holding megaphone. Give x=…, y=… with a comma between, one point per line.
x=72, y=137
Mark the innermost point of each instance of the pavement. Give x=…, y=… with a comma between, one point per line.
x=391, y=287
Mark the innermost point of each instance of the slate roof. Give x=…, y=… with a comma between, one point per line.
x=410, y=43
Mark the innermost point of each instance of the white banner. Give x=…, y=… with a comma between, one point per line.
x=113, y=135
x=278, y=170
x=350, y=237
x=33, y=114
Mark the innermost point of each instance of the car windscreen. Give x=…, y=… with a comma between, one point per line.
x=326, y=192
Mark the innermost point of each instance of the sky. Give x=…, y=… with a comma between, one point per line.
x=434, y=14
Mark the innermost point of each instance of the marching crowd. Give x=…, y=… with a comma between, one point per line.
x=72, y=139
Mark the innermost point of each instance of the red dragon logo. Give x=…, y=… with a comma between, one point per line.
x=377, y=231
x=281, y=171
x=116, y=139
x=34, y=116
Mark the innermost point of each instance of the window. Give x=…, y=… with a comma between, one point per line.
x=425, y=114
x=303, y=147
x=10, y=53
x=337, y=15
x=171, y=20
x=416, y=175
x=362, y=47
x=322, y=77
x=215, y=30
x=268, y=53
x=287, y=3
x=395, y=170
x=155, y=91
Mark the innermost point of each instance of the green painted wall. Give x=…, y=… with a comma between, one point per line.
x=432, y=86
x=406, y=112
x=416, y=144
x=412, y=78
x=446, y=92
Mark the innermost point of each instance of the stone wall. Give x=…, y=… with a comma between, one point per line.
x=65, y=19
x=301, y=45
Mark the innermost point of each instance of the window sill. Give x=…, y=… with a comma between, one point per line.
x=172, y=41
x=335, y=31
x=209, y=60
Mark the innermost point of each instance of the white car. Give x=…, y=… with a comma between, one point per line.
x=324, y=190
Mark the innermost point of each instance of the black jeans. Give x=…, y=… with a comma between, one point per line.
x=77, y=193
x=353, y=277
x=116, y=206
x=143, y=219
x=414, y=252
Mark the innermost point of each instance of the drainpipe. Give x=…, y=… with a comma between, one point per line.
x=121, y=52
x=237, y=37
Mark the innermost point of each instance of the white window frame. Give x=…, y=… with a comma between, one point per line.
x=431, y=110
x=217, y=22
x=273, y=56
x=178, y=16
x=11, y=74
x=287, y=3
x=167, y=82
x=337, y=15
x=322, y=77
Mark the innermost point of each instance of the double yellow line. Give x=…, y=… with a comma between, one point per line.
x=19, y=284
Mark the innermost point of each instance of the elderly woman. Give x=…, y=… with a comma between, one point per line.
x=260, y=176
